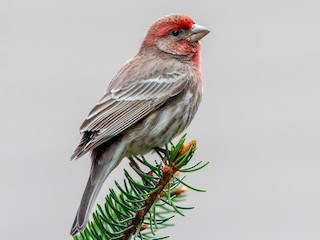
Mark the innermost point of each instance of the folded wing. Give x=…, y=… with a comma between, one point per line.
x=120, y=108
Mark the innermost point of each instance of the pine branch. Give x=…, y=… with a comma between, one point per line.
x=146, y=204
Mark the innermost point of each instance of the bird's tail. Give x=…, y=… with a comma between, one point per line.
x=88, y=198
x=100, y=170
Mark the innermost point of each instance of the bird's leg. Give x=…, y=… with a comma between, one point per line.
x=162, y=150
x=134, y=163
x=163, y=157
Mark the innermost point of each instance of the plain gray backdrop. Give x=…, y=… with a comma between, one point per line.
x=258, y=124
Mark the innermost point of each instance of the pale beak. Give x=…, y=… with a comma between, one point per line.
x=198, y=32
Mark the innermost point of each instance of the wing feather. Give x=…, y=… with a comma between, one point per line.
x=120, y=108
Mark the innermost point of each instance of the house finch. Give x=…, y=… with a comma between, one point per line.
x=152, y=99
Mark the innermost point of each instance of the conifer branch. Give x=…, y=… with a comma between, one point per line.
x=142, y=206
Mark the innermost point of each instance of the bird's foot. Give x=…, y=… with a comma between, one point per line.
x=165, y=160
x=162, y=154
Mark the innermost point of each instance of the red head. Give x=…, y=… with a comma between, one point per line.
x=176, y=34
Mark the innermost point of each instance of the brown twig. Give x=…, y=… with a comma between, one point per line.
x=168, y=171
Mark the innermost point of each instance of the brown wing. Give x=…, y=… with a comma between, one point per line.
x=121, y=108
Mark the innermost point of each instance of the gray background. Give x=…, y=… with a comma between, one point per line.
x=258, y=124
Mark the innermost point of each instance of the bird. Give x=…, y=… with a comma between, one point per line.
x=151, y=100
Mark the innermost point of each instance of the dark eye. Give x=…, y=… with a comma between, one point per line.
x=175, y=33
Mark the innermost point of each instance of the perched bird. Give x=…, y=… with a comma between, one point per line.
x=152, y=99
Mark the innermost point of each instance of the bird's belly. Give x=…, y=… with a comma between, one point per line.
x=160, y=127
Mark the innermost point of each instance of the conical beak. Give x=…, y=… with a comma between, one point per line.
x=198, y=32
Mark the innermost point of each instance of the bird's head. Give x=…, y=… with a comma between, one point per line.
x=176, y=34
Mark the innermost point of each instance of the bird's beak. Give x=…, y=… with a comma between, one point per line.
x=198, y=32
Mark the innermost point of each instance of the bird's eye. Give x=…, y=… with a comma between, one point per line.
x=175, y=33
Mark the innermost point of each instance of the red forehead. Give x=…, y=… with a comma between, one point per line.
x=165, y=25
x=169, y=23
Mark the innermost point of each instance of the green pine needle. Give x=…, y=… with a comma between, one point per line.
x=147, y=201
